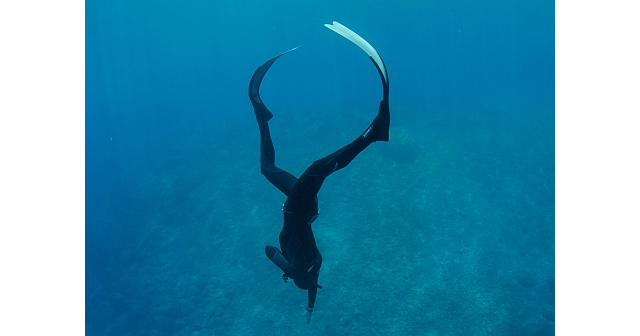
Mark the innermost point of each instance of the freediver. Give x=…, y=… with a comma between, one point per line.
x=298, y=256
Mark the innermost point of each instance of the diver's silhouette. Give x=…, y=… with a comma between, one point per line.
x=299, y=257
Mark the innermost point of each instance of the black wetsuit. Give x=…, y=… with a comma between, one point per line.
x=299, y=257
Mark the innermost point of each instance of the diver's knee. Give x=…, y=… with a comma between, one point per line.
x=314, y=168
x=269, y=168
x=264, y=172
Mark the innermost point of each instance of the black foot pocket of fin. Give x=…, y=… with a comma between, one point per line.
x=379, y=130
x=382, y=132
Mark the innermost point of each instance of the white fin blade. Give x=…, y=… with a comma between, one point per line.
x=360, y=42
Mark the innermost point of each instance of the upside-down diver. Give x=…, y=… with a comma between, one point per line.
x=298, y=256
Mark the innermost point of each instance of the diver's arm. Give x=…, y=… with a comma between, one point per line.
x=312, y=292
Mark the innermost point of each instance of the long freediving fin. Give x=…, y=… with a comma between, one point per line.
x=254, y=86
x=364, y=45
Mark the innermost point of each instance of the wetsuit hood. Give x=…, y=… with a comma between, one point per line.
x=307, y=283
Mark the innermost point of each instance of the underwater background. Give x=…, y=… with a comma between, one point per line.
x=447, y=229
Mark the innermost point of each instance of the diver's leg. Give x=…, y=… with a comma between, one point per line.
x=320, y=169
x=278, y=177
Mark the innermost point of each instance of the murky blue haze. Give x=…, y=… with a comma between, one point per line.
x=447, y=229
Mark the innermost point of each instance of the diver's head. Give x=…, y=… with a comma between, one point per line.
x=306, y=283
x=310, y=279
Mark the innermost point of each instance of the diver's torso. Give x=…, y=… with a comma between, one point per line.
x=301, y=205
x=298, y=244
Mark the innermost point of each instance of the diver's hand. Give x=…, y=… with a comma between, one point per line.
x=308, y=313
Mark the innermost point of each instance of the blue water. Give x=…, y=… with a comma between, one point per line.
x=447, y=229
